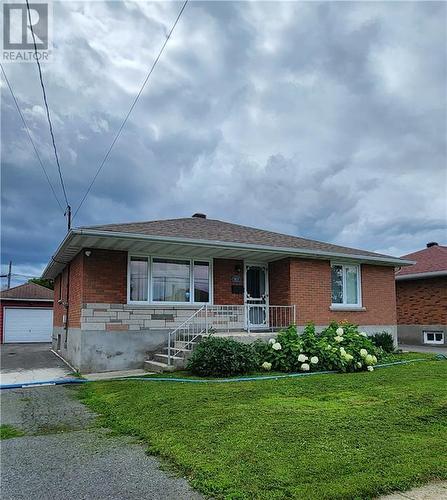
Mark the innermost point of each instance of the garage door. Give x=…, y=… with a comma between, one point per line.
x=28, y=325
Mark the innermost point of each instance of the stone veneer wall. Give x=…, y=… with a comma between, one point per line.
x=126, y=317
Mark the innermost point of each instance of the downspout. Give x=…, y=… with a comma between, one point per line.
x=67, y=305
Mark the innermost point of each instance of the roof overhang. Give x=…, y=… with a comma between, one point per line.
x=420, y=276
x=77, y=239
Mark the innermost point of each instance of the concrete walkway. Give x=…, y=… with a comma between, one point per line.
x=433, y=491
x=22, y=363
x=64, y=456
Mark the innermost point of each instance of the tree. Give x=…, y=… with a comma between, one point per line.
x=43, y=282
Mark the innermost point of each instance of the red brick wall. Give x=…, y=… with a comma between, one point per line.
x=18, y=303
x=76, y=290
x=102, y=277
x=223, y=270
x=279, y=282
x=422, y=302
x=57, y=308
x=73, y=273
x=105, y=277
x=310, y=290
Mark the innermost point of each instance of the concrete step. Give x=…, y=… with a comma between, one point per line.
x=157, y=366
x=177, y=361
x=184, y=344
x=179, y=349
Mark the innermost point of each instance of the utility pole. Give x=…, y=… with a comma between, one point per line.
x=9, y=274
x=68, y=214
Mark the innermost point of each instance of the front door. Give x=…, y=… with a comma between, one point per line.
x=256, y=295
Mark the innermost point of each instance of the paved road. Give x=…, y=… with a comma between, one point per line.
x=30, y=363
x=64, y=456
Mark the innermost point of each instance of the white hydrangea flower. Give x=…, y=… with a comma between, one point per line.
x=339, y=331
x=276, y=346
x=338, y=338
x=370, y=368
x=374, y=359
x=363, y=334
x=328, y=347
x=272, y=341
x=349, y=357
x=302, y=358
x=369, y=360
x=305, y=367
x=363, y=353
x=342, y=350
x=266, y=365
x=314, y=360
x=358, y=364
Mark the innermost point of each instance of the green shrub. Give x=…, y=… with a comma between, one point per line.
x=383, y=340
x=338, y=347
x=220, y=357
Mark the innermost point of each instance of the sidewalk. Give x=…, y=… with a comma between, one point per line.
x=433, y=491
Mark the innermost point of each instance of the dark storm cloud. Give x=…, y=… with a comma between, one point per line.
x=325, y=120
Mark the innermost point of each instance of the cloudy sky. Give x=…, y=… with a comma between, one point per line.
x=324, y=120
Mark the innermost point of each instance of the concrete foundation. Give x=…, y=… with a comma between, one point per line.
x=100, y=351
x=414, y=334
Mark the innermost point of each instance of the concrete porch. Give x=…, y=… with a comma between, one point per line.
x=244, y=323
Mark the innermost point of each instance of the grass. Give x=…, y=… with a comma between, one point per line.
x=8, y=432
x=341, y=436
x=405, y=356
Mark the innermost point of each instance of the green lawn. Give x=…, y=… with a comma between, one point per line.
x=321, y=437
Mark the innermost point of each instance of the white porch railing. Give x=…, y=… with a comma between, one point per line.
x=227, y=318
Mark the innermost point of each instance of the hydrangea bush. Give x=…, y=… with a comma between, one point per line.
x=339, y=347
x=221, y=357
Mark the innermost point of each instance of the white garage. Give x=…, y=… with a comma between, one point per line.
x=23, y=324
x=26, y=314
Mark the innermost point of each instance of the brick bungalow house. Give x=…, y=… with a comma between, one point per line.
x=128, y=292
x=422, y=298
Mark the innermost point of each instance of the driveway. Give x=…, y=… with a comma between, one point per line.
x=30, y=363
x=64, y=455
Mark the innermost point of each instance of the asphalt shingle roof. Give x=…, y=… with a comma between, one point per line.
x=428, y=260
x=28, y=291
x=218, y=231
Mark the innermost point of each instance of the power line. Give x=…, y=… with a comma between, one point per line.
x=131, y=107
x=46, y=107
x=30, y=137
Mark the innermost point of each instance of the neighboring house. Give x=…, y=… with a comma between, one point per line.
x=26, y=314
x=422, y=297
x=122, y=289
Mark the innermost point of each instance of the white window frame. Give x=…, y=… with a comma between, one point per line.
x=426, y=341
x=344, y=305
x=129, y=258
x=191, y=261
